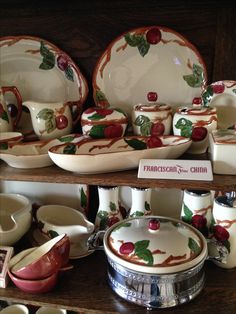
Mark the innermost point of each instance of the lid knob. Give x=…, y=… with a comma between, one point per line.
x=154, y=224
x=152, y=96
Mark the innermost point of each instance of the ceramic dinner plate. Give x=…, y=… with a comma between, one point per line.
x=148, y=59
x=222, y=96
x=108, y=155
x=41, y=72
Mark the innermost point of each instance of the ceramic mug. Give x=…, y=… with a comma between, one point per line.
x=197, y=209
x=7, y=122
x=224, y=229
x=50, y=310
x=15, y=309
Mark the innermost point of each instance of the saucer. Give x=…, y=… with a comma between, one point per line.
x=38, y=238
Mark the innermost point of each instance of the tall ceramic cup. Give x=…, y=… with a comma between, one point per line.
x=224, y=229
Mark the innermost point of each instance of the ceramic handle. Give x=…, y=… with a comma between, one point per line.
x=217, y=251
x=95, y=240
x=17, y=94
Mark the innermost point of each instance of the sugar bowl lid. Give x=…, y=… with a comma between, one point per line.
x=155, y=245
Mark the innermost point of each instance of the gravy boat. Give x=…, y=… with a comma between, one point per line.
x=57, y=219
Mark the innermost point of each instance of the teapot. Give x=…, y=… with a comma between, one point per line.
x=50, y=119
x=7, y=124
x=53, y=220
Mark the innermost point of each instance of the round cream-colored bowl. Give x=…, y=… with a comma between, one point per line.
x=15, y=217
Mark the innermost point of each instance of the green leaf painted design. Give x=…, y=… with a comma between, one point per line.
x=185, y=127
x=48, y=62
x=142, y=252
x=52, y=234
x=122, y=225
x=69, y=73
x=141, y=119
x=45, y=114
x=50, y=125
x=96, y=116
x=196, y=78
x=193, y=245
x=207, y=96
x=66, y=139
x=138, y=41
x=69, y=149
x=121, y=111
x=112, y=206
x=234, y=90
x=145, y=129
x=136, y=144
x=3, y=146
x=4, y=116
x=100, y=96
x=102, y=214
x=147, y=206
x=137, y=214
x=141, y=245
x=83, y=198
x=187, y=214
x=97, y=131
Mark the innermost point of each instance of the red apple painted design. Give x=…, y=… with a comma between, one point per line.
x=152, y=96
x=154, y=224
x=218, y=88
x=13, y=110
x=112, y=220
x=198, y=221
x=61, y=122
x=157, y=129
x=153, y=36
x=126, y=248
x=114, y=130
x=198, y=133
x=220, y=233
x=154, y=141
x=62, y=62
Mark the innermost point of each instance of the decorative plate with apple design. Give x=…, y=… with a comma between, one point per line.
x=148, y=59
x=41, y=72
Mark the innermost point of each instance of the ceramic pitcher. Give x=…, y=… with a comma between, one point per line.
x=7, y=122
x=50, y=120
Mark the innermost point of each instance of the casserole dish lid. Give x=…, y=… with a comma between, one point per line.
x=155, y=244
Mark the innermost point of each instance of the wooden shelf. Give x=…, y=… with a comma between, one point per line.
x=85, y=289
x=54, y=174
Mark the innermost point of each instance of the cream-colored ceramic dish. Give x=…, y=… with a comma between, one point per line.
x=148, y=59
x=108, y=155
x=223, y=151
x=29, y=155
x=222, y=96
x=42, y=72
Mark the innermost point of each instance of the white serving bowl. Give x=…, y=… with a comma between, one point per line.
x=15, y=217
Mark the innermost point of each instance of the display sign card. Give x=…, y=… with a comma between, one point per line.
x=175, y=169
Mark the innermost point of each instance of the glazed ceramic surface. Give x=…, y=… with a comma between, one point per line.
x=15, y=217
x=41, y=262
x=140, y=202
x=57, y=219
x=222, y=96
x=7, y=122
x=148, y=59
x=30, y=155
x=223, y=151
x=41, y=71
x=107, y=155
x=104, y=123
x=155, y=245
x=50, y=120
x=151, y=119
x=35, y=286
x=15, y=309
x=8, y=138
x=195, y=122
x=50, y=310
x=224, y=230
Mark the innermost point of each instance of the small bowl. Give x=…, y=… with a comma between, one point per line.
x=7, y=138
x=35, y=286
x=15, y=217
x=15, y=309
x=42, y=261
x=104, y=123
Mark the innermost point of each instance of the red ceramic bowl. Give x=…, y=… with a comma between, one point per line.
x=42, y=261
x=35, y=286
